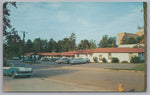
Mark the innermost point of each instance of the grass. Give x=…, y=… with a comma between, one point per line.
x=139, y=67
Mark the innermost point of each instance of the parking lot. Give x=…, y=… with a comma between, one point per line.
x=50, y=76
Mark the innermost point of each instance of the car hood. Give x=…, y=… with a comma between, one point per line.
x=25, y=68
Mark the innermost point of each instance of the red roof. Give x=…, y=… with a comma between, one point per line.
x=88, y=51
x=69, y=53
x=118, y=50
x=46, y=53
x=31, y=53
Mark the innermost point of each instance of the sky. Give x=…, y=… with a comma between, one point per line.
x=88, y=20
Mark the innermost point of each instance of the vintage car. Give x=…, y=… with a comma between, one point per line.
x=17, y=69
x=78, y=61
x=54, y=59
x=63, y=60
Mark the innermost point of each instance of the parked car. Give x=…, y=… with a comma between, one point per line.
x=45, y=59
x=27, y=60
x=15, y=58
x=17, y=69
x=63, y=60
x=78, y=61
x=54, y=59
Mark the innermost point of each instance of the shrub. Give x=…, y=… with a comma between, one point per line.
x=124, y=61
x=135, y=59
x=104, y=60
x=115, y=60
x=95, y=59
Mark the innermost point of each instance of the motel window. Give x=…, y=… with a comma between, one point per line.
x=109, y=54
x=77, y=55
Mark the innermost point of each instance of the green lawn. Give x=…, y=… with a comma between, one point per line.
x=139, y=67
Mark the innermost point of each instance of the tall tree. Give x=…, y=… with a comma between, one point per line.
x=132, y=40
x=73, y=39
x=107, y=41
x=52, y=45
x=6, y=14
x=84, y=44
x=12, y=45
x=29, y=46
x=92, y=44
x=37, y=45
x=103, y=42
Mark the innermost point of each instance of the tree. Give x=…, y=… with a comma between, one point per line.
x=103, y=42
x=6, y=14
x=107, y=41
x=92, y=44
x=12, y=45
x=52, y=46
x=140, y=38
x=37, y=45
x=132, y=40
x=73, y=39
x=84, y=44
x=29, y=46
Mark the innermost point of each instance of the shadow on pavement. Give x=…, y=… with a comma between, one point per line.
x=132, y=90
x=51, y=73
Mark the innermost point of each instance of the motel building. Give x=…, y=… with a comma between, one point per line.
x=122, y=53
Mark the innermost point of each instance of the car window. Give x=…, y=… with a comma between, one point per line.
x=19, y=65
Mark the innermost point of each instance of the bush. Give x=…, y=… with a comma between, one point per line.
x=104, y=60
x=114, y=60
x=95, y=59
x=135, y=59
x=124, y=61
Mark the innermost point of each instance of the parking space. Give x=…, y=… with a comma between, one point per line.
x=51, y=76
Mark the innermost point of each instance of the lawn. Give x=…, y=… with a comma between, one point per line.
x=139, y=67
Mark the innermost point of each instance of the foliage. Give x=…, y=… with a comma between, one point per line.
x=6, y=14
x=12, y=45
x=104, y=60
x=72, y=39
x=84, y=44
x=29, y=46
x=95, y=59
x=132, y=40
x=107, y=41
x=135, y=59
x=124, y=61
x=115, y=60
x=140, y=38
x=92, y=44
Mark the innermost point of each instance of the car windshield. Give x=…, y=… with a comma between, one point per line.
x=21, y=65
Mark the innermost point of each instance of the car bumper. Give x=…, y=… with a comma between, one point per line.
x=23, y=74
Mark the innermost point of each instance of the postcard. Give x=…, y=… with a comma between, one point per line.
x=74, y=46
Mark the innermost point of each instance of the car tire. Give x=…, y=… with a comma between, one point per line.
x=13, y=75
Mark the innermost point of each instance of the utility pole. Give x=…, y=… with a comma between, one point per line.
x=23, y=44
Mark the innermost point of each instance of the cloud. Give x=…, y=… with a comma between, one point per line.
x=84, y=22
x=56, y=5
x=62, y=16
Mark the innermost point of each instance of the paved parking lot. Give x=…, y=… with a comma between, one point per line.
x=50, y=76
